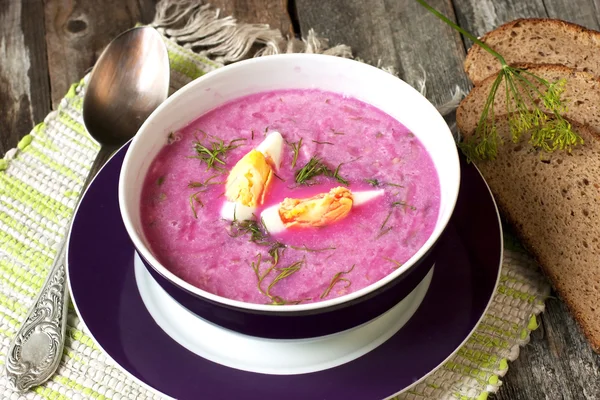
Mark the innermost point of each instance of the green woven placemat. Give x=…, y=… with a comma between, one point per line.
x=40, y=181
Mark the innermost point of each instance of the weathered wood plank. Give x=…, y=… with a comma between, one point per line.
x=557, y=364
x=272, y=12
x=585, y=13
x=481, y=16
x=24, y=88
x=398, y=33
x=78, y=31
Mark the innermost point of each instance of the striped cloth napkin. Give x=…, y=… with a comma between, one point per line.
x=40, y=181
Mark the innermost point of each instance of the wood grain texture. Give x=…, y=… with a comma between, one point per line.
x=78, y=31
x=481, y=16
x=272, y=12
x=398, y=33
x=585, y=12
x=24, y=88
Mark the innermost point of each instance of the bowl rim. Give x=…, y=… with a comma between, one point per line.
x=146, y=254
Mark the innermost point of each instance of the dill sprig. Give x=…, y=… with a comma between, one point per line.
x=397, y=264
x=296, y=150
x=376, y=183
x=403, y=204
x=338, y=278
x=533, y=105
x=194, y=198
x=316, y=167
x=282, y=273
x=213, y=152
x=322, y=142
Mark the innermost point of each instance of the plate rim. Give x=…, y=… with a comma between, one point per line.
x=155, y=391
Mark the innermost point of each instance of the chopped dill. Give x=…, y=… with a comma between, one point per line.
x=397, y=263
x=266, y=129
x=296, y=149
x=160, y=180
x=214, y=151
x=385, y=221
x=195, y=199
x=318, y=142
x=252, y=134
x=282, y=273
x=308, y=249
x=403, y=204
x=338, y=278
x=373, y=182
x=383, y=232
x=394, y=184
x=315, y=167
x=337, y=132
x=207, y=182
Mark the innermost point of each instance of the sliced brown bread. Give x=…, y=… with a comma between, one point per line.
x=536, y=41
x=581, y=95
x=553, y=201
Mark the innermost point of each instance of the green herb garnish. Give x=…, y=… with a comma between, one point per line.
x=397, y=264
x=383, y=232
x=214, y=151
x=296, y=149
x=282, y=273
x=373, y=182
x=318, y=142
x=338, y=278
x=308, y=249
x=194, y=199
x=160, y=180
x=403, y=204
x=315, y=167
x=525, y=94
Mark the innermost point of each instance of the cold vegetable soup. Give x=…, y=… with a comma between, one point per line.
x=289, y=197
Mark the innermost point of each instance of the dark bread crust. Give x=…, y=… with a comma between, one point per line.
x=535, y=41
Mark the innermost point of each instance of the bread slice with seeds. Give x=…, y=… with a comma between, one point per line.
x=536, y=41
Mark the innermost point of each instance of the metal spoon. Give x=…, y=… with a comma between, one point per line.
x=129, y=81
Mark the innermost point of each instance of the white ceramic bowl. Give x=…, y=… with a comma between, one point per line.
x=351, y=78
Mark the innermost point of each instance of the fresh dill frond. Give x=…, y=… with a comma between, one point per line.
x=533, y=105
x=315, y=167
x=214, y=150
x=373, y=182
x=160, y=180
x=338, y=278
x=296, y=150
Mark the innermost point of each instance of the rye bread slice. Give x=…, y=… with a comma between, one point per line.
x=581, y=96
x=536, y=41
x=553, y=201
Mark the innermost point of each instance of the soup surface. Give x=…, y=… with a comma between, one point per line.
x=350, y=144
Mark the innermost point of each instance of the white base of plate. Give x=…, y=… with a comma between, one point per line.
x=271, y=356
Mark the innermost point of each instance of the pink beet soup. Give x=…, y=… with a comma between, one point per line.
x=183, y=195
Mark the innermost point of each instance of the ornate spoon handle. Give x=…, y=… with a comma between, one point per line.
x=36, y=349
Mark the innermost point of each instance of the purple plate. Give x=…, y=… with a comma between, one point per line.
x=103, y=288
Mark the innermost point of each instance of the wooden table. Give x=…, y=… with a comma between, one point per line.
x=47, y=45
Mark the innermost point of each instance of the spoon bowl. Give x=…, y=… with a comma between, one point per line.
x=126, y=85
